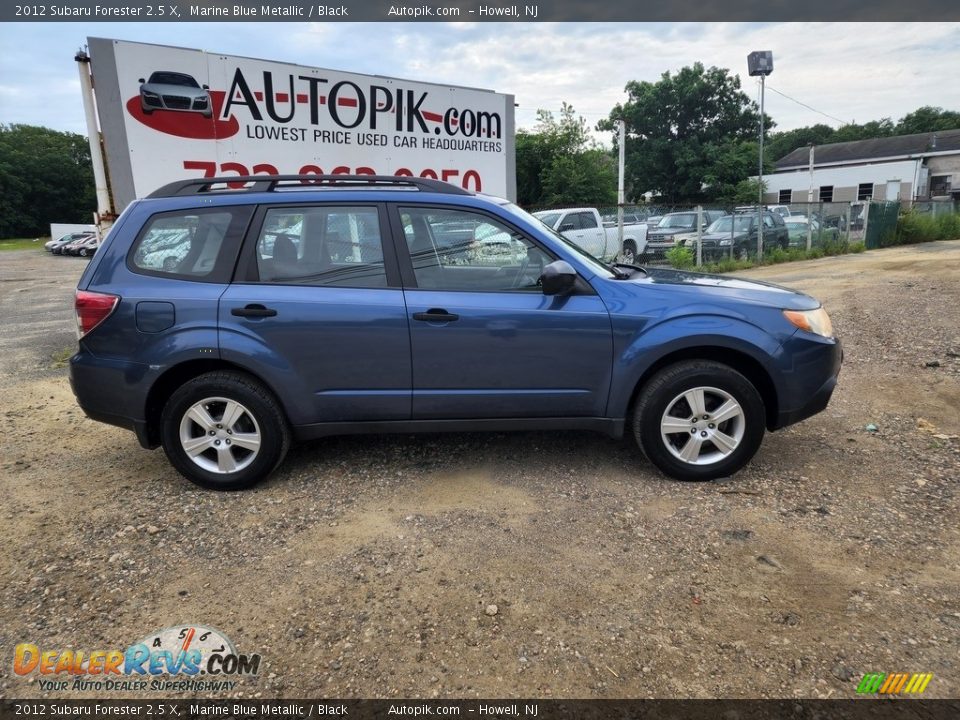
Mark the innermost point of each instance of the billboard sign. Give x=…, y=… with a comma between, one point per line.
x=171, y=113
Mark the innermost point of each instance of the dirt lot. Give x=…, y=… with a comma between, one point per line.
x=366, y=566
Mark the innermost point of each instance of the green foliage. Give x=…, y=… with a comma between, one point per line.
x=45, y=176
x=690, y=136
x=776, y=256
x=559, y=164
x=914, y=227
x=857, y=247
x=746, y=192
x=681, y=257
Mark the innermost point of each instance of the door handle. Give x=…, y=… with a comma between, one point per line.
x=254, y=311
x=436, y=315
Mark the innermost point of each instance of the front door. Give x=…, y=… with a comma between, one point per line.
x=485, y=341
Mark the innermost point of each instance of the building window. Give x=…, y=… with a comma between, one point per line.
x=865, y=191
x=940, y=184
x=784, y=197
x=826, y=193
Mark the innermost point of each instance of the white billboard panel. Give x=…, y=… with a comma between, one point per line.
x=171, y=113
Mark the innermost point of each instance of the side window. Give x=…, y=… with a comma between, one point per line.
x=322, y=245
x=587, y=220
x=464, y=250
x=768, y=221
x=570, y=222
x=190, y=244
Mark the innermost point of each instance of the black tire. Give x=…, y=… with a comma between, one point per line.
x=261, y=409
x=629, y=246
x=83, y=252
x=663, y=389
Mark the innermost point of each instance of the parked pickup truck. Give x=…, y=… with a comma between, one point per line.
x=584, y=227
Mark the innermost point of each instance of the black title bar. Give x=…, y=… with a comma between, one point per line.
x=472, y=11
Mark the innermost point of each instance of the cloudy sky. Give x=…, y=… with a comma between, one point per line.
x=852, y=72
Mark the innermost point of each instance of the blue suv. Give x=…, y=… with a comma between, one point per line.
x=224, y=318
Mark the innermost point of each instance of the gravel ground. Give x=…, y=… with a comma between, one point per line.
x=370, y=566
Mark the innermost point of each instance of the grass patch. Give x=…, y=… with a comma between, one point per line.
x=60, y=358
x=23, y=244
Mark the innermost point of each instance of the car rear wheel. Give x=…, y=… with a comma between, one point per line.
x=699, y=420
x=629, y=254
x=224, y=431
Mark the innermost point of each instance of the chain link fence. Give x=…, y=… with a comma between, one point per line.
x=697, y=235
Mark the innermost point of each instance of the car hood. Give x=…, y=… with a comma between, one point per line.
x=723, y=235
x=669, y=232
x=724, y=287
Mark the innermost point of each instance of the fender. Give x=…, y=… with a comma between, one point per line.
x=250, y=353
x=637, y=348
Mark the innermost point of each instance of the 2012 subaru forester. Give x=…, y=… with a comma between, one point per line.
x=224, y=323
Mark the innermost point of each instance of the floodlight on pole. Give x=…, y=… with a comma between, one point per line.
x=760, y=62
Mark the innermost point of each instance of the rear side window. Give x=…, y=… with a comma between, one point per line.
x=322, y=245
x=191, y=244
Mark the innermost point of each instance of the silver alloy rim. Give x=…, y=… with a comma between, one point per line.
x=702, y=425
x=220, y=435
x=629, y=257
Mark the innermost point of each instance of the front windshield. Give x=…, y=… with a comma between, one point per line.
x=686, y=220
x=725, y=224
x=599, y=267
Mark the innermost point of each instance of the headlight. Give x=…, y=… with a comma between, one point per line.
x=815, y=321
x=147, y=93
x=725, y=242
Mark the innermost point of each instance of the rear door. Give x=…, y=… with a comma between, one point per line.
x=317, y=310
x=485, y=341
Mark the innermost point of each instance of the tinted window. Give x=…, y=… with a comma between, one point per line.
x=463, y=250
x=570, y=222
x=587, y=220
x=190, y=244
x=324, y=245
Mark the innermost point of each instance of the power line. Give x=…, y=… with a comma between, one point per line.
x=832, y=117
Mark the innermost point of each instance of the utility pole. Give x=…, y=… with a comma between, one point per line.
x=810, y=203
x=621, y=196
x=760, y=63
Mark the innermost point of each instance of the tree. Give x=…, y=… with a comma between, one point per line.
x=689, y=135
x=559, y=164
x=928, y=119
x=45, y=176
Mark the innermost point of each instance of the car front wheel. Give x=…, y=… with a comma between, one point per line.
x=224, y=431
x=699, y=420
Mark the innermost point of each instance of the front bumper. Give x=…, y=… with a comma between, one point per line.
x=810, y=381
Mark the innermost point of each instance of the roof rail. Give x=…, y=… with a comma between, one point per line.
x=269, y=183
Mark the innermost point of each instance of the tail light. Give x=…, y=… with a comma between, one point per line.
x=92, y=309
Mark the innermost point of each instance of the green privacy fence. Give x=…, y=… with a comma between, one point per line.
x=881, y=225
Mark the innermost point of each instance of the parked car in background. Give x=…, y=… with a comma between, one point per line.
x=56, y=246
x=584, y=227
x=678, y=229
x=739, y=231
x=798, y=225
x=84, y=247
x=237, y=351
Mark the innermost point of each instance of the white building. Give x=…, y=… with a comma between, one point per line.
x=905, y=168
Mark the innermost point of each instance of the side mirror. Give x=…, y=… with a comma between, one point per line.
x=141, y=81
x=558, y=278
x=565, y=227
x=205, y=87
